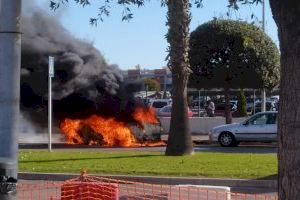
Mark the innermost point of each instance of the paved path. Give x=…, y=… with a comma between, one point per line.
x=40, y=190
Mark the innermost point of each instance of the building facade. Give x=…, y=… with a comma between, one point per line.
x=163, y=76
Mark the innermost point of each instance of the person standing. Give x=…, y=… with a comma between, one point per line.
x=211, y=108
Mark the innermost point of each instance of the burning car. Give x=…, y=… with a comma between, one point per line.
x=111, y=132
x=149, y=132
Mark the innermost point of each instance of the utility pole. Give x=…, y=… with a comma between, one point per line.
x=10, y=59
x=263, y=91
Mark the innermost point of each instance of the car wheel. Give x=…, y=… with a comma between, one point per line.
x=226, y=139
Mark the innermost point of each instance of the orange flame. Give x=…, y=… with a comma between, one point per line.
x=145, y=115
x=114, y=133
x=107, y=131
x=70, y=128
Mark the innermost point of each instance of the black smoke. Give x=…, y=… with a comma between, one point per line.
x=84, y=82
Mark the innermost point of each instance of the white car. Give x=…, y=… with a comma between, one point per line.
x=261, y=127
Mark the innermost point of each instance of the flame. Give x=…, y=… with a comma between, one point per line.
x=145, y=115
x=108, y=132
x=114, y=133
x=70, y=128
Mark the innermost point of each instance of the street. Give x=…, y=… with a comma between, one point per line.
x=243, y=148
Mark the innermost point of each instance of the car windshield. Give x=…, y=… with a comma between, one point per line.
x=222, y=106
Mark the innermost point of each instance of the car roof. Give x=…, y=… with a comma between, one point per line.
x=267, y=112
x=268, y=101
x=161, y=100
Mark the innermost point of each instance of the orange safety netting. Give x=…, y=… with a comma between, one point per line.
x=86, y=188
x=99, y=188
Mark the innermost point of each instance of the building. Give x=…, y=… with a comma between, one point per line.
x=163, y=76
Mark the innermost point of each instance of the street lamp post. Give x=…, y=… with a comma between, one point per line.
x=50, y=76
x=10, y=59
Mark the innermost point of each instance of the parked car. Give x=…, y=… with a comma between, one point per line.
x=166, y=111
x=220, y=108
x=195, y=104
x=159, y=103
x=261, y=127
x=275, y=99
x=270, y=106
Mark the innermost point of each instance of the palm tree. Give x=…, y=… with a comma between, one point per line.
x=180, y=140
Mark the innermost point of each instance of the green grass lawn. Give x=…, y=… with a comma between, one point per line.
x=218, y=165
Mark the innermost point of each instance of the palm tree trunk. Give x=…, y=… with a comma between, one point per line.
x=286, y=14
x=179, y=141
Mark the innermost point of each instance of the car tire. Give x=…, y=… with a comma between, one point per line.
x=226, y=139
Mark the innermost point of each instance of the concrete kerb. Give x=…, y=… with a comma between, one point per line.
x=271, y=184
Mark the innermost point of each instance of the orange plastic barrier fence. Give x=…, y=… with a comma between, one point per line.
x=39, y=190
x=89, y=191
x=98, y=188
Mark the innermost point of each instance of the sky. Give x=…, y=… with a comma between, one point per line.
x=141, y=41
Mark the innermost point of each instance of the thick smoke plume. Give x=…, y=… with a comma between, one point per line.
x=83, y=84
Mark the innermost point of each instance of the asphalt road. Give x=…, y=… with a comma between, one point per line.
x=201, y=144
x=243, y=148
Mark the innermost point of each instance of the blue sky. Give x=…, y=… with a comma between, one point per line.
x=142, y=40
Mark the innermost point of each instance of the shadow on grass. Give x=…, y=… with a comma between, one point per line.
x=239, y=149
x=81, y=159
x=270, y=177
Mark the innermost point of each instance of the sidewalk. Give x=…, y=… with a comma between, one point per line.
x=237, y=185
x=203, y=138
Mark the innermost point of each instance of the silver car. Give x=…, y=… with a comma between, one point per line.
x=261, y=127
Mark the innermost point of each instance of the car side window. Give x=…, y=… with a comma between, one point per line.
x=259, y=120
x=159, y=104
x=272, y=118
x=166, y=109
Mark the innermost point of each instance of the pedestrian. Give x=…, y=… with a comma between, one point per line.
x=210, y=108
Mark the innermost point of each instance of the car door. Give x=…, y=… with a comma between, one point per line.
x=254, y=129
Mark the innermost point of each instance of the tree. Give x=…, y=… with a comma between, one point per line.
x=232, y=54
x=286, y=14
x=178, y=20
x=180, y=140
x=153, y=84
x=242, y=104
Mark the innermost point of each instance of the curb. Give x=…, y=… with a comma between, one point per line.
x=272, y=184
